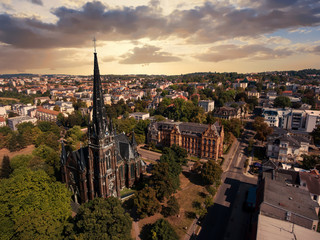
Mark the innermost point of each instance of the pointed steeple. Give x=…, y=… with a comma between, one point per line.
x=99, y=112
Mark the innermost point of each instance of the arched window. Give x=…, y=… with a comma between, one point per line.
x=108, y=159
x=132, y=171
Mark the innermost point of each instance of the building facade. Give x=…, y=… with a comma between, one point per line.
x=109, y=163
x=43, y=114
x=202, y=140
x=14, y=121
x=207, y=105
x=292, y=119
x=287, y=147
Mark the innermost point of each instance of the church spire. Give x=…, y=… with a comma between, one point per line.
x=99, y=112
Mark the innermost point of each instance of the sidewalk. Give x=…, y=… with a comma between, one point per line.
x=230, y=154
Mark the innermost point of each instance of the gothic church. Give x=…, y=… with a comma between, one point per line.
x=109, y=163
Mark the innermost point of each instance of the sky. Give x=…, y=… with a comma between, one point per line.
x=158, y=36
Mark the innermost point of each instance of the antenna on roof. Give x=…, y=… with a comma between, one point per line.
x=94, y=44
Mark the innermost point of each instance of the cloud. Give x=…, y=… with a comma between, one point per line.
x=232, y=52
x=37, y=2
x=147, y=54
x=108, y=59
x=206, y=23
x=20, y=60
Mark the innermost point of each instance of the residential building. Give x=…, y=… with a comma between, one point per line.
x=207, y=105
x=3, y=111
x=40, y=100
x=2, y=122
x=109, y=163
x=14, y=121
x=273, y=228
x=227, y=113
x=295, y=119
x=284, y=146
x=139, y=115
x=279, y=197
x=253, y=93
x=202, y=140
x=43, y=114
x=310, y=181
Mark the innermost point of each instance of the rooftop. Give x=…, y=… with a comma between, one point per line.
x=275, y=229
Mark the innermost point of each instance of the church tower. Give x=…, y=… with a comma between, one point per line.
x=109, y=163
x=101, y=159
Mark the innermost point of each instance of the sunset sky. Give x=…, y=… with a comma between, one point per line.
x=158, y=37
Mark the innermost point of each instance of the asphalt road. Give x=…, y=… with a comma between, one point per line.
x=148, y=155
x=226, y=219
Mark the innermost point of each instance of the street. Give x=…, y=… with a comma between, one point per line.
x=226, y=219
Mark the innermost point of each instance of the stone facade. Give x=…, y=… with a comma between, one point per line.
x=202, y=140
x=109, y=163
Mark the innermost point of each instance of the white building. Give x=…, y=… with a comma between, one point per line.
x=207, y=105
x=286, y=147
x=14, y=121
x=295, y=119
x=139, y=115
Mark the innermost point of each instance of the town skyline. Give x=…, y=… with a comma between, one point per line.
x=158, y=37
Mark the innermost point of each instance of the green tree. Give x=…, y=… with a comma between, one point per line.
x=162, y=230
x=172, y=207
x=33, y=206
x=146, y=202
x=262, y=128
x=49, y=139
x=56, y=108
x=50, y=157
x=282, y=101
x=211, y=172
x=5, y=169
x=310, y=161
x=102, y=219
x=162, y=181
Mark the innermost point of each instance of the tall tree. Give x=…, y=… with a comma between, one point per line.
x=102, y=219
x=146, y=202
x=33, y=206
x=211, y=172
x=262, y=128
x=282, y=101
x=162, y=230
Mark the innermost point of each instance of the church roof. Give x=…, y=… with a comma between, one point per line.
x=81, y=156
x=124, y=147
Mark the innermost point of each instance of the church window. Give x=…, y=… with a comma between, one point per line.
x=132, y=170
x=108, y=159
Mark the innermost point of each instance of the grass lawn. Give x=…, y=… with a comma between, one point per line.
x=188, y=193
x=126, y=191
x=6, y=152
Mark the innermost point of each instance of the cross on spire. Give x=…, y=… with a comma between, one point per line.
x=94, y=44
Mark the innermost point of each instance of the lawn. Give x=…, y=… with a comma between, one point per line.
x=188, y=193
x=6, y=152
x=126, y=191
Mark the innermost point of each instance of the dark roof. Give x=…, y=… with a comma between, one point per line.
x=286, y=198
x=312, y=180
x=186, y=128
x=123, y=146
x=81, y=156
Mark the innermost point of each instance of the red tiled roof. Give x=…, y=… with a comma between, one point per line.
x=52, y=112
